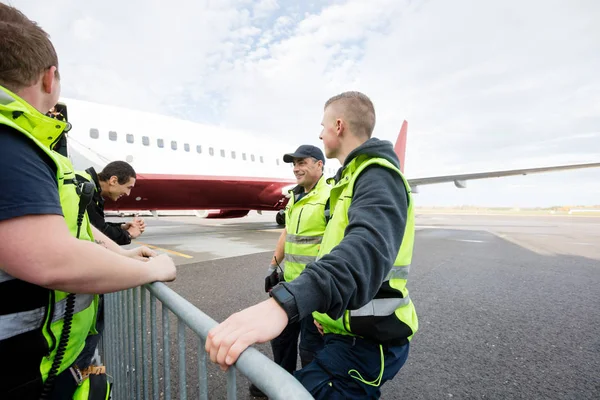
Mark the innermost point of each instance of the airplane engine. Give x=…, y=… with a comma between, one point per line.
x=460, y=184
x=222, y=214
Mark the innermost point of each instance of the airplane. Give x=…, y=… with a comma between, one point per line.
x=219, y=172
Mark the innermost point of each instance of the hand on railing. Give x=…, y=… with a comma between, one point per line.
x=256, y=324
x=164, y=267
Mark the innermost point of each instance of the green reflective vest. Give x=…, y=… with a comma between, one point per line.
x=390, y=317
x=44, y=132
x=305, y=223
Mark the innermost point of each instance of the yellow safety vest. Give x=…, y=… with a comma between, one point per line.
x=44, y=132
x=390, y=317
x=305, y=223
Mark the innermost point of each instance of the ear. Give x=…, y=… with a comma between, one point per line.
x=49, y=80
x=339, y=126
x=113, y=180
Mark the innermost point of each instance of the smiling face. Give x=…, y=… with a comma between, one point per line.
x=116, y=190
x=307, y=171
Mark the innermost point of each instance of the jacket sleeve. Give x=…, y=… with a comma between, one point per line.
x=113, y=231
x=351, y=274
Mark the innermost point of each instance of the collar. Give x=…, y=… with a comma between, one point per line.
x=44, y=129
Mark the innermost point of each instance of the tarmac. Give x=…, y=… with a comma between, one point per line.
x=507, y=305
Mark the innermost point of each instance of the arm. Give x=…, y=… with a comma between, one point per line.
x=52, y=258
x=350, y=275
x=112, y=231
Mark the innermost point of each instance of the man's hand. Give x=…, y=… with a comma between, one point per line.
x=134, y=231
x=140, y=253
x=257, y=324
x=140, y=224
x=319, y=327
x=164, y=267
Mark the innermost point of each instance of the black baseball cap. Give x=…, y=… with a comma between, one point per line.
x=304, y=151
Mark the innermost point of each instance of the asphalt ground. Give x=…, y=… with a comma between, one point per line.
x=507, y=305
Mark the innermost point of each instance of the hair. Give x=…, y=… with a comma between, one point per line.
x=26, y=50
x=122, y=170
x=357, y=110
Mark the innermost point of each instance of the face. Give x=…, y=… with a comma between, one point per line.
x=330, y=134
x=307, y=171
x=116, y=190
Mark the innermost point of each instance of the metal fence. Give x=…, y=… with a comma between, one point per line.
x=136, y=349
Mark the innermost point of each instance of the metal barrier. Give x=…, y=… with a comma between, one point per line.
x=133, y=361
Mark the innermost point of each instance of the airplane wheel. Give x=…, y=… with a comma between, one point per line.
x=280, y=217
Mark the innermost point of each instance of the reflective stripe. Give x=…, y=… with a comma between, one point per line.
x=25, y=321
x=398, y=273
x=82, y=301
x=4, y=277
x=299, y=259
x=380, y=307
x=299, y=239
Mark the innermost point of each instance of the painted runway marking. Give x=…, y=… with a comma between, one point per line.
x=165, y=250
x=469, y=240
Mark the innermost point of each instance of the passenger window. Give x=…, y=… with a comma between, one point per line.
x=94, y=134
x=261, y=159
x=199, y=149
x=160, y=143
x=277, y=161
x=186, y=147
x=244, y=156
x=252, y=157
x=173, y=145
x=112, y=135
x=211, y=151
x=129, y=138
x=145, y=141
x=222, y=153
x=233, y=155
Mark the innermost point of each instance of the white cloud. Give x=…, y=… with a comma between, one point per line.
x=484, y=85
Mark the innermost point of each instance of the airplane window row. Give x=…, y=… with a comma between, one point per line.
x=160, y=143
x=129, y=138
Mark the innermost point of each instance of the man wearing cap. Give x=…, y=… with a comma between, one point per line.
x=299, y=243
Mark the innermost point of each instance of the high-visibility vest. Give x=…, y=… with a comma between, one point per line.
x=305, y=223
x=46, y=308
x=390, y=317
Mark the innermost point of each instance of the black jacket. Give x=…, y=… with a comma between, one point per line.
x=351, y=274
x=96, y=213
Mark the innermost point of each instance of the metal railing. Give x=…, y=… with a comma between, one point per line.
x=132, y=358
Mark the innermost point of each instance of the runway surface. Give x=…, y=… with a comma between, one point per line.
x=507, y=305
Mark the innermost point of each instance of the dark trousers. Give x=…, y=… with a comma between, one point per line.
x=285, y=346
x=351, y=368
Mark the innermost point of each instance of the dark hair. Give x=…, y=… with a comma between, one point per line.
x=122, y=170
x=26, y=50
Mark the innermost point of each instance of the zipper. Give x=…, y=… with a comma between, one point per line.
x=299, y=216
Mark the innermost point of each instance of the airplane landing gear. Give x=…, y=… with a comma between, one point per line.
x=280, y=217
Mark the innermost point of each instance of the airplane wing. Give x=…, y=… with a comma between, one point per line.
x=460, y=179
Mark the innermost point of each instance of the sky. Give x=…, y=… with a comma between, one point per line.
x=484, y=85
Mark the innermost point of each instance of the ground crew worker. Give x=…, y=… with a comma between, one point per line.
x=50, y=267
x=356, y=289
x=116, y=180
x=298, y=244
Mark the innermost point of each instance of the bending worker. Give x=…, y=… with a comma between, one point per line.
x=116, y=180
x=356, y=290
x=305, y=221
x=50, y=268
